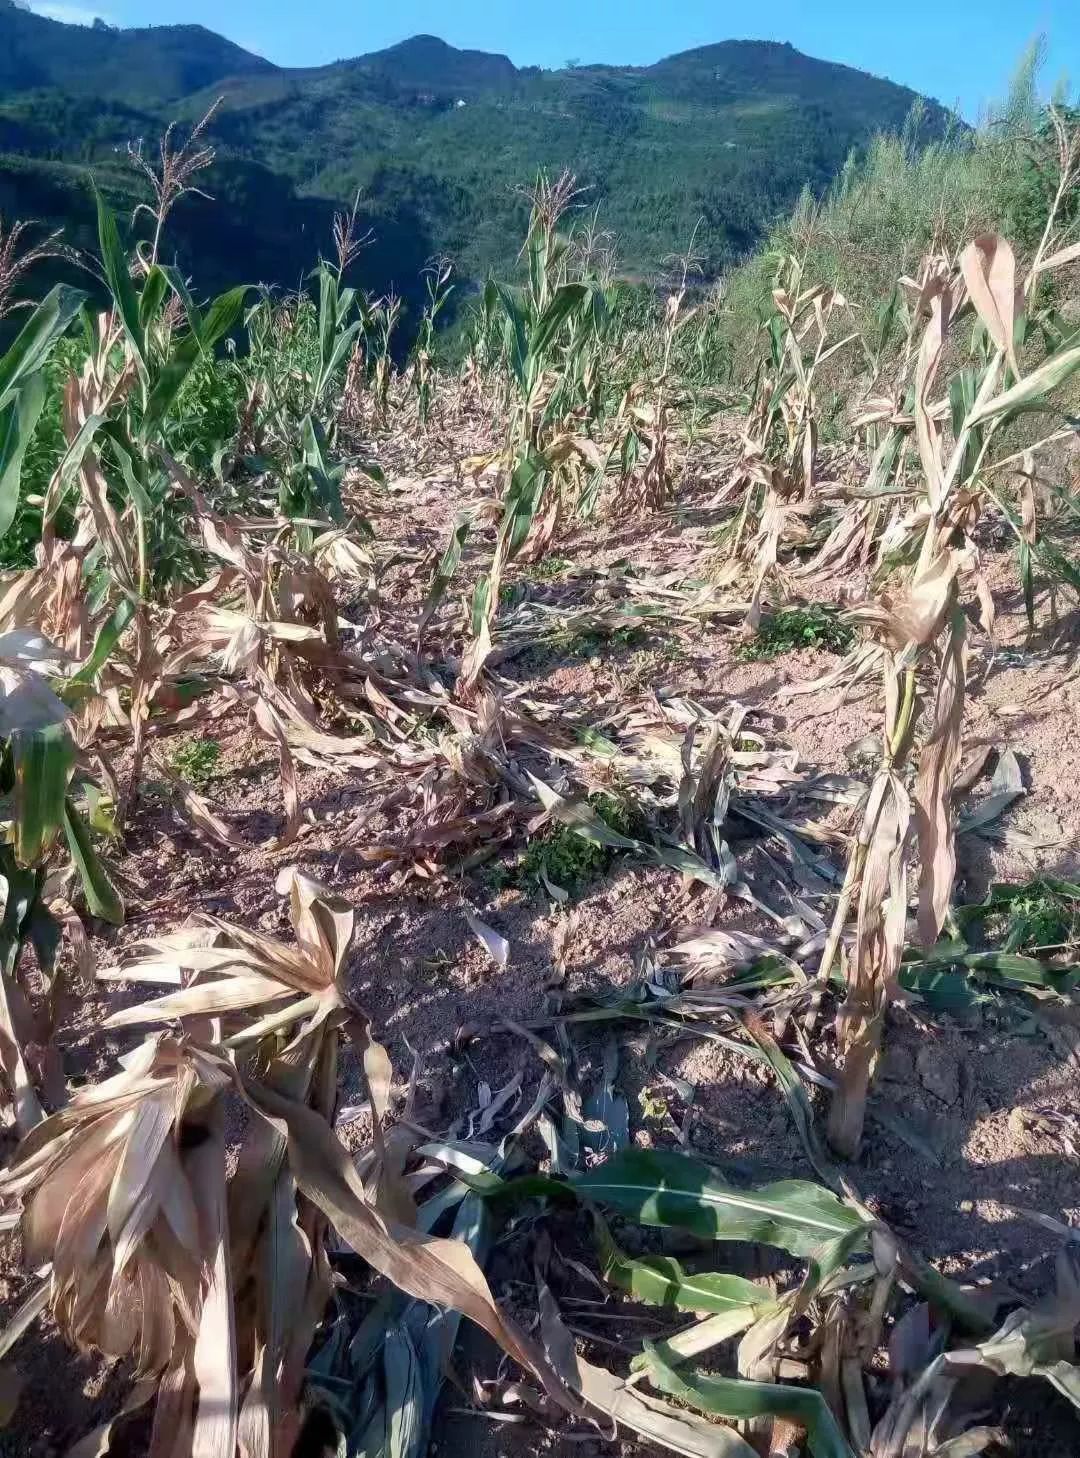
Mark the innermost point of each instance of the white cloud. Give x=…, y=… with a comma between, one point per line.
x=69, y=14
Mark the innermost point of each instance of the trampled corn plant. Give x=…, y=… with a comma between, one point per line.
x=792, y=1357
x=212, y=1275
x=48, y=859
x=799, y=345
x=262, y=631
x=777, y=473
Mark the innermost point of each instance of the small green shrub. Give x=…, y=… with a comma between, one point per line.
x=196, y=761
x=790, y=629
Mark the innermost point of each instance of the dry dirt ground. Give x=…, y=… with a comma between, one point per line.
x=993, y=1101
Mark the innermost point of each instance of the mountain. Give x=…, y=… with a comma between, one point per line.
x=157, y=66
x=440, y=142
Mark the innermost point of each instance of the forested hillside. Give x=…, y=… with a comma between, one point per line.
x=438, y=140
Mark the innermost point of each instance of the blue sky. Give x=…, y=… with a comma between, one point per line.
x=960, y=51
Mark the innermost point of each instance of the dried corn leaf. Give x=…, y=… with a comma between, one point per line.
x=939, y=760
x=496, y=945
x=989, y=268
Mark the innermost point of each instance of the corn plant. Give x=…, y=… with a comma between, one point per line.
x=549, y=335
x=42, y=772
x=439, y=288
x=380, y=326
x=648, y=422
x=922, y=632
x=116, y=426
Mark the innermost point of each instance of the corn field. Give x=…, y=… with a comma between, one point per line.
x=432, y=849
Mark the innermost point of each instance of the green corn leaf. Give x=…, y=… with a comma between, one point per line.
x=324, y=477
x=567, y=300
x=72, y=461
x=667, y=1189
x=35, y=340
x=444, y=573
x=154, y=289
x=102, y=897
x=661, y=1281
x=795, y=1095
x=1027, y=581
x=405, y=1399
x=481, y=598
x=335, y=339
x=136, y=490
x=942, y=991
x=42, y=760
x=177, y=283
x=342, y=346
x=579, y=816
x=222, y=316
x=328, y=312
x=107, y=638
x=1031, y=392
x=686, y=862
x=741, y=1401
x=313, y=445
x=118, y=276
x=516, y=338
x=523, y=497
x=703, y=1336
x=18, y=420
x=1010, y=969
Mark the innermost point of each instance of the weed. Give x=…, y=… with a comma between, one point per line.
x=790, y=629
x=548, y=568
x=1040, y=915
x=497, y=876
x=565, y=858
x=570, y=861
x=1040, y=920
x=197, y=761
x=647, y=665
x=591, y=641
x=575, y=644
